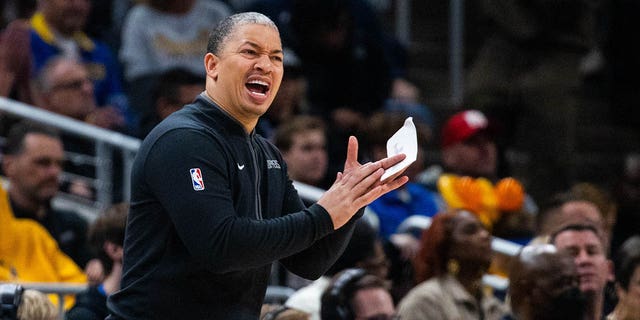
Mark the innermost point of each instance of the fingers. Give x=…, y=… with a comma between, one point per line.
x=379, y=190
x=390, y=161
x=360, y=173
x=352, y=154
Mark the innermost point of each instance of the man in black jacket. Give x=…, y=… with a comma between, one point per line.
x=212, y=206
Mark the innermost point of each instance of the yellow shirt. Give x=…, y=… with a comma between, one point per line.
x=28, y=253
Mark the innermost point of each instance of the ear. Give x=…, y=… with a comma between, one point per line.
x=211, y=63
x=610, y=274
x=8, y=164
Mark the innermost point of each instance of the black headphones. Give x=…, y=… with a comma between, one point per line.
x=10, y=296
x=335, y=300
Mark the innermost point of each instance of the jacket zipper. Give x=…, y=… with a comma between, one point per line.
x=258, y=201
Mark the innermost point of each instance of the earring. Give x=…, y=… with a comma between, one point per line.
x=453, y=267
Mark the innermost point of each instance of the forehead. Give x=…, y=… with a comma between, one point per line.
x=464, y=218
x=307, y=135
x=264, y=36
x=373, y=301
x=37, y=145
x=577, y=238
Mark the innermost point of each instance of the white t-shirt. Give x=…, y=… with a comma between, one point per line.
x=307, y=299
x=154, y=41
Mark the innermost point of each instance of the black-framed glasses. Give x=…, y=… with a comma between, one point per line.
x=72, y=85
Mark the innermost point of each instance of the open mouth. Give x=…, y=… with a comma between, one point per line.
x=257, y=87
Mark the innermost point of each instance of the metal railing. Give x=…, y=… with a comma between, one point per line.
x=105, y=143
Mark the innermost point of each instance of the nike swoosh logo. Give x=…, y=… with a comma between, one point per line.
x=240, y=167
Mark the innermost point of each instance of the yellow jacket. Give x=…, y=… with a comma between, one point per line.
x=28, y=253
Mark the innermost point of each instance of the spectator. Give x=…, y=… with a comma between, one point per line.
x=364, y=250
x=35, y=305
x=355, y=294
x=627, y=266
x=106, y=236
x=173, y=89
x=469, y=178
x=32, y=164
x=586, y=244
x=56, y=29
x=544, y=285
x=583, y=203
x=159, y=35
x=21, y=304
x=454, y=254
x=28, y=253
x=64, y=86
x=302, y=141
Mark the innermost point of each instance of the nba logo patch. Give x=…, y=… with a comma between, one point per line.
x=196, y=179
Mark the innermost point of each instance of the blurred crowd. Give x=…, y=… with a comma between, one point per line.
x=419, y=252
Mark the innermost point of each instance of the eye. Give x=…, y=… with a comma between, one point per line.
x=248, y=52
x=276, y=58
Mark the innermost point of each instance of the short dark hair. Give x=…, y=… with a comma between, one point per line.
x=15, y=139
x=227, y=26
x=579, y=227
x=283, y=138
x=109, y=226
x=627, y=260
x=170, y=81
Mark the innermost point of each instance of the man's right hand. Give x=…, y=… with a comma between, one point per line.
x=358, y=185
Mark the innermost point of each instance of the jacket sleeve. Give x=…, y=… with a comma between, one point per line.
x=314, y=261
x=207, y=221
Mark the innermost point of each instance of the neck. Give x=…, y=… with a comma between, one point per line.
x=595, y=303
x=27, y=204
x=471, y=279
x=248, y=125
x=112, y=282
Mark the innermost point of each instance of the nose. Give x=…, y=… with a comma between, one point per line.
x=484, y=234
x=582, y=258
x=264, y=63
x=54, y=169
x=87, y=86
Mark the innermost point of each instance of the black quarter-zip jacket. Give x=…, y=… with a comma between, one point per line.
x=201, y=246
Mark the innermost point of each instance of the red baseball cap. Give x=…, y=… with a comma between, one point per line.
x=463, y=125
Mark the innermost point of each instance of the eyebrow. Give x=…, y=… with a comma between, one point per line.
x=256, y=46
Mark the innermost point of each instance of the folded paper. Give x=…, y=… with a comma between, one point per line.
x=405, y=140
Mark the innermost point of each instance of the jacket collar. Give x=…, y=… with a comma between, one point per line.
x=212, y=110
x=47, y=34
